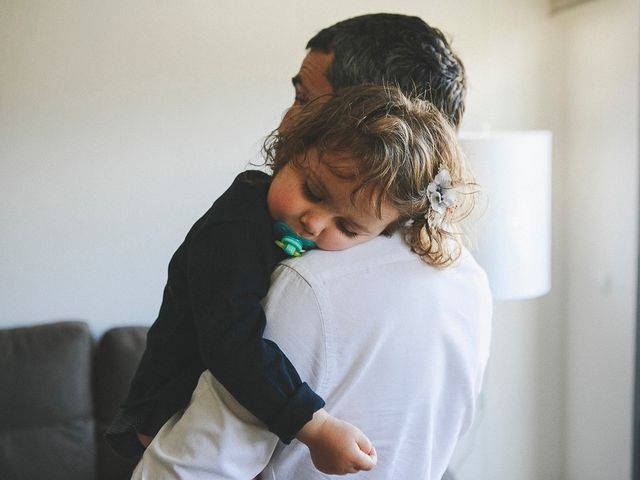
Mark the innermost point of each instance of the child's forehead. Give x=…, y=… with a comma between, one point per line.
x=331, y=168
x=341, y=164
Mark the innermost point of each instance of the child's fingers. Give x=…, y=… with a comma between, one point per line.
x=364, y=443
x=367, y=456
x=373, y=454
x=364, y=461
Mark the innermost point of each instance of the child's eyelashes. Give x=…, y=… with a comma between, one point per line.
x=345, y=230
x=313, y=197
x=309, y=194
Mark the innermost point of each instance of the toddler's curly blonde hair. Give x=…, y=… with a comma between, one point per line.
x=399, y=146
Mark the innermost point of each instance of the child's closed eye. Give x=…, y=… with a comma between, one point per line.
x=310, y=194
x=344, y=229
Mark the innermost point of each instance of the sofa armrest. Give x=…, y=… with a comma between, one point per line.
x=117, y=356
x=46, y=417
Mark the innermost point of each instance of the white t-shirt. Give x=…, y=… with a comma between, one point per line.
x=394, y=346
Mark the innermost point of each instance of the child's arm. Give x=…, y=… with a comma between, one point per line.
x=228, y=264
x=230, y=322
x=255, y=371
x=211, y=318
x=337, y=447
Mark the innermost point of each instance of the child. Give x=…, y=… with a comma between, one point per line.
x=365, y=162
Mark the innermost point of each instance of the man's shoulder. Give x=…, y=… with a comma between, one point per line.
x=390, y=256
x=321, y=264
x=385, y=272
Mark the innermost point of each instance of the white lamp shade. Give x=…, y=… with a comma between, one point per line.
x=514, y=231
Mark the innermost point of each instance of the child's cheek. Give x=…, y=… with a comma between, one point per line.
x=334, y=243
x=280, y=203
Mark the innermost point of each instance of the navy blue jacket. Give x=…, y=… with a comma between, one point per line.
x=211, y=318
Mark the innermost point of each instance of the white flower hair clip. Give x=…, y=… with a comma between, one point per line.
x=442, y=196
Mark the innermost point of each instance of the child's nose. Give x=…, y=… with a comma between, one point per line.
x=314, y=222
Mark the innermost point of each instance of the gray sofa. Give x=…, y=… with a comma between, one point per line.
x=59, y=390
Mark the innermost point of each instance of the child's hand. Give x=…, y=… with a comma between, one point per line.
x=337, y=447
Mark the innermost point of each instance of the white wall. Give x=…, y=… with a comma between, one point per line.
x=579, y=340
x=121, y=121
x=602, y=45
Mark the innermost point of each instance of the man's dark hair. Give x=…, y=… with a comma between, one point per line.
x=387, y=48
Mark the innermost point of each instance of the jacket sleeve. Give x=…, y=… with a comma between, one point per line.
x=228, y=271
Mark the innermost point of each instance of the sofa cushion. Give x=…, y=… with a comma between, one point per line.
x=116, y=360
x=46, y=418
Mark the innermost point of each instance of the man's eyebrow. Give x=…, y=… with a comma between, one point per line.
x=296, y=81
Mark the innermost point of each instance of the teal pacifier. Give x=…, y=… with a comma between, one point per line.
x=292, y=244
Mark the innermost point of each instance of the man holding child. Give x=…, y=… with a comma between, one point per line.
x=395, y=346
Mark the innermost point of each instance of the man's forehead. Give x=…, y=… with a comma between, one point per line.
x=313, y=73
